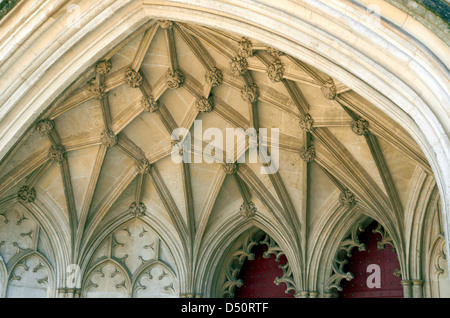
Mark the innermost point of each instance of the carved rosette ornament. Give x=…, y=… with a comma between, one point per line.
x=103, y=67
x=109, y=139
x=230, y=168
x=144, y=166
x=133, y=78
x=150, y=104
x=275, y=71
x=238, y=65
x=250, y=93
x=274, y=52
x=253, y=139
x=214, y=77
x=205, y=105
x=245, y=48
x=57, y=153
x=45, y=126
x=247, y=210
x=309, y=154
x=165, y=24
x=360, y=127
x=96, y=89
x=26, y=194
x=137, y=210
x=347, y=199
x=175, y=79
x=306, y=123
x=329, y=90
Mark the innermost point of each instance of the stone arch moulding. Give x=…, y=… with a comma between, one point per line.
x=337, y=38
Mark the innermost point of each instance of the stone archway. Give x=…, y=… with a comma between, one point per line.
x=376, y=269
x=335, y=38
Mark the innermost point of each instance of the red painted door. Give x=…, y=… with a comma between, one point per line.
x=258, y=277
x=373, y=269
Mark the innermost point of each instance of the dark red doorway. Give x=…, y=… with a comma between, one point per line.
x=259, y=274
x=375, y=270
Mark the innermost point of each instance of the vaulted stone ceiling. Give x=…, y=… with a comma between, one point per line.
x=102, y=153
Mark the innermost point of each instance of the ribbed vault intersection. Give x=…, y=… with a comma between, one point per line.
x=101, y=156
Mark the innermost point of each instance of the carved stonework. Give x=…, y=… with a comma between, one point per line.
x=274, y=52
x=165, y=24
x=247, y=210
x=329, y=90
x=238, y=65
x=106, y=278
x=45, y=126
x=385, y=238
x=360, y=127
x=347, y=199
x=18, y=233
x=235, y=264
x=338, y=273
x=96, y=89
x=26, y=194
x=230, y=168
x=214, y=77
x=109, y=139
x=309, y=154
x=205, y=105
x=306, y=123
x=103, y=67
x=29, y=273
x=440, y=256
x=250, y=93
x=287, y=278
x=57, y=153
x=137, y=210
x=133, y=78
x=275, y=72
x=144, y=166
x=245, y=48
x=175, y=79
x=253, y=139
x=150, y=104
x=155, y=281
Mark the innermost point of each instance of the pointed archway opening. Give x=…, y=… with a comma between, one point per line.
x=260, y=276
x=376, y=269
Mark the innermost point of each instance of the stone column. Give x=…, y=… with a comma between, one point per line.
x=191, y=296
x=417, y=288
x=313, y=294
x=301, y=294
x=327, y=295
x=69, y=293
x=407, y=288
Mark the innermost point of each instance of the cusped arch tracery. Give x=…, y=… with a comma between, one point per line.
x=29, y=262
x=241, y=252
x=341, y=276
x=134, y=250
x=33, y=275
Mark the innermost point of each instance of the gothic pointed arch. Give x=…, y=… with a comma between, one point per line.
x=97, y=132
x=241, y=254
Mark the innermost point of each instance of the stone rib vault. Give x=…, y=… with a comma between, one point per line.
x=93, y=187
